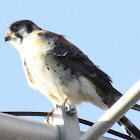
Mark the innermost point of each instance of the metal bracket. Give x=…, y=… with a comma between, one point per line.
x=67, y=121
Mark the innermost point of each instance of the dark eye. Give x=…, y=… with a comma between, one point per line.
x=15, y=27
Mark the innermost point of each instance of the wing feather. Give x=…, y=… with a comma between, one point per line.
x=74, y=59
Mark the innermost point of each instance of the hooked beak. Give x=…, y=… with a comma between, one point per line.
x=7, y=38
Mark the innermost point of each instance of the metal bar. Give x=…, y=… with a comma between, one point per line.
x=126, y=102
x=12, y=127
x=17, y=128
x=40, y=114
x=70, y=129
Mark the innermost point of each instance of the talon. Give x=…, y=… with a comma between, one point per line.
x=49, y=114
x=52, y=110
x=57, y=106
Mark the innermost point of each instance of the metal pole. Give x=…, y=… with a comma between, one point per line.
x=17, y=128
x=126, y=102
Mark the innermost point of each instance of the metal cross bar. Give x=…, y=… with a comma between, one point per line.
x=126, y=102
x=83, y=121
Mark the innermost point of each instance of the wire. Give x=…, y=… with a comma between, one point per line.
x=29, y=113
x=113, y=132
x=25, y=113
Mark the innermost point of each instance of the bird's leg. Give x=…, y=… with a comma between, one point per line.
x=57, y=106
x=65, y=101
x=49, y=114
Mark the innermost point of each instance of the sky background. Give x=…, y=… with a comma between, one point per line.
x=108, y=31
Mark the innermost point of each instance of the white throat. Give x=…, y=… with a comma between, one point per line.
x=17, y=44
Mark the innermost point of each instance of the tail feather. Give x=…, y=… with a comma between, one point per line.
x=129, y=128
x=109, y=96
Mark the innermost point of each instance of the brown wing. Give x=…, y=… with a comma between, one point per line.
x=74, y=59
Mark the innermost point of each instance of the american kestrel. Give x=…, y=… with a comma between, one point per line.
x=60, y=70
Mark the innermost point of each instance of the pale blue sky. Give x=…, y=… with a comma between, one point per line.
x=108, y=31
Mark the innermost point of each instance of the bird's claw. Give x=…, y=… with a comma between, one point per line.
x=52, y=110
x=49, y=114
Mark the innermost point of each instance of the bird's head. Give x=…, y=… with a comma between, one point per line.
x=18, y=30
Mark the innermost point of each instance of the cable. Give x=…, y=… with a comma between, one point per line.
x=109, y=131
x=25, y=113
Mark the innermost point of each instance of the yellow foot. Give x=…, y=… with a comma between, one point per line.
x=65, y=101
x=57, y=106
x=49, y=114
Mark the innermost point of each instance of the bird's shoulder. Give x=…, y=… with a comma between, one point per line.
x=44, y=37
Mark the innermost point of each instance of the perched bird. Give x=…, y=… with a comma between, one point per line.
x=60, y=70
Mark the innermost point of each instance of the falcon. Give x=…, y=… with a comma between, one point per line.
x=62, y=72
